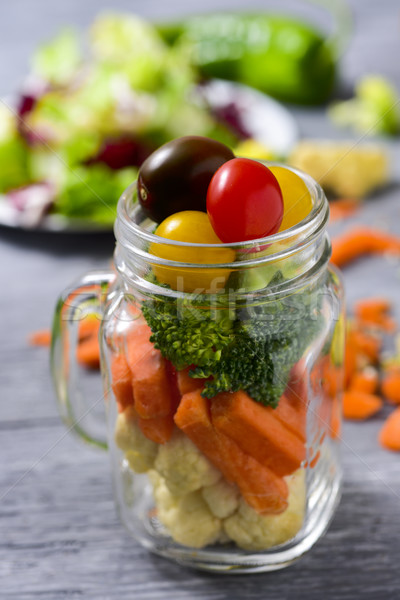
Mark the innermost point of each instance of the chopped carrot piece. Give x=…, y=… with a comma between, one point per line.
x=359, y=405
x=88, y=353
x=351, y=359
x=375, y=311
x=361, y=241
x=370, y=307
x=40, y=338
x=257, y=431
x=343, y=208
x=391, y=385
x=88, y=327
x=366, y=381
x=389, y=435
x=121, y=382
x=262, y=489
x=364, y=343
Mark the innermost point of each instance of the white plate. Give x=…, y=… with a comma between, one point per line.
x=265, y=119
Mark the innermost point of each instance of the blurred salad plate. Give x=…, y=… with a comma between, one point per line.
x=85, y=121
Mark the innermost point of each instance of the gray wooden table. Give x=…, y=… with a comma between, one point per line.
x=59, y=534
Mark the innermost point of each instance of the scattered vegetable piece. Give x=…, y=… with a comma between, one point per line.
x=366, y=381
x=374, y=311
x=40, y=338
x=389, y=435
x=391, y=385
x=360, y=241
x=88, y=353
x=345, y=169
x=360, y=405
x=343, y=208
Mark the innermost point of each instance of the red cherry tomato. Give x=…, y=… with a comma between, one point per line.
x=244, y=201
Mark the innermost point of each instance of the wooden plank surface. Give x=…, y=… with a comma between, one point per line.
x=59, y=534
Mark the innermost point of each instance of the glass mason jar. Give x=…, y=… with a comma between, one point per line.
x=222, y=388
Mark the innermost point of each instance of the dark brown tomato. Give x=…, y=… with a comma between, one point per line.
x=176, y=176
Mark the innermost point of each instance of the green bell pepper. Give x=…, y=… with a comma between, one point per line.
x=278, y=55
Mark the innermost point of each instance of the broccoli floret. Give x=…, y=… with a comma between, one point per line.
x=251, y=347
x=188, y=334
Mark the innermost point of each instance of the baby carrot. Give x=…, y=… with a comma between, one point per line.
x=359, y=405
x=389, y=435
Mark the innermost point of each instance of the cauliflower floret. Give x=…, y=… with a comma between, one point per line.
x=252, y=531
x=140, y=452
x=187, y=518
x=222, y=498
x=183, y=466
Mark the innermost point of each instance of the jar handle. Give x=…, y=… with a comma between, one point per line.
x=82, y=413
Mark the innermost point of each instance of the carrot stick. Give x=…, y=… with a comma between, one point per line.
x=360, y=241
x=257, y=431
x=389, y=435
x=292, y=412
x=121, y=384
x=296, y=395
x=261, y=488
x=359, y=405
x=151, y=386
x=188, y=384
x=158, y=429
x=40, y=338
x=366, y=381
x=391, y=385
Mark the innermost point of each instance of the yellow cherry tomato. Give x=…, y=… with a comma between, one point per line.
x=194, y=227
x=297, y=202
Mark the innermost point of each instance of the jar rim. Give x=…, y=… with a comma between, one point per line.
x=134, y=238
x=316, y=217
